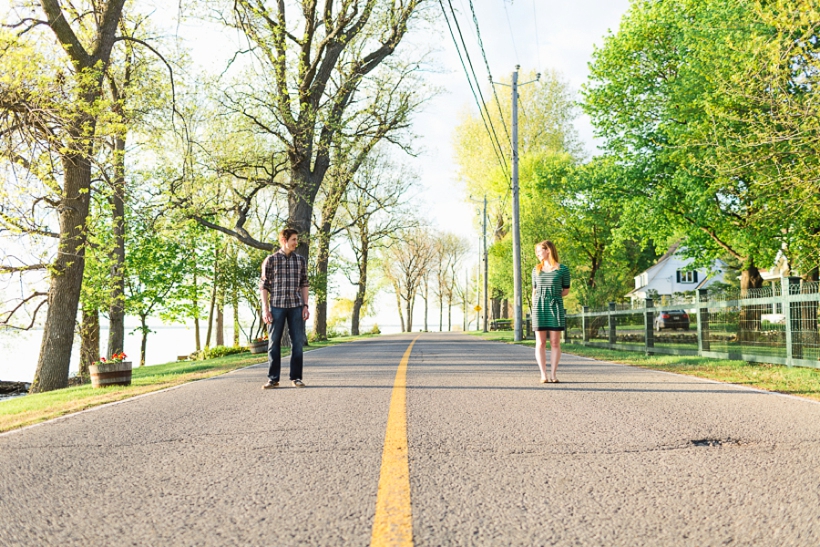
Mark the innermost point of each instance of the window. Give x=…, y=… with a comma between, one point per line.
x=687, y=277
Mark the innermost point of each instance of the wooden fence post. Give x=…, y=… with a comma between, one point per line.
x=585, y=323
x=648, y=324
x=612, y=319
x=703, y=320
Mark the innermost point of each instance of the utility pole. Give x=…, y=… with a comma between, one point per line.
x=485, y=262
x=466, y=287
x=478, y=291
x=486, y=266
x=518, y=311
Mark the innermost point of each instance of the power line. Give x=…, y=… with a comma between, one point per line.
x=485, y=111
x=512, y=35
x=489, y=72
x=537, y=43
x=482, y=107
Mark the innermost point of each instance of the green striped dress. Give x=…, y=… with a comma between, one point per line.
x=548, y=304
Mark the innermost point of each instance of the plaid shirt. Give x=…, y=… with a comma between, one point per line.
x=283, y=276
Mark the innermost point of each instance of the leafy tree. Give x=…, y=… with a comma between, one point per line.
x=546, y=113
x=49, y=114
x=658, y=95
x=329, y=87
x=156, y=267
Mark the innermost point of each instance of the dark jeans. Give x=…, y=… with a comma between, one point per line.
x=297, y=338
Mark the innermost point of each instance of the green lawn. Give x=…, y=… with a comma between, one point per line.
x=804, y=382
x=37, y=407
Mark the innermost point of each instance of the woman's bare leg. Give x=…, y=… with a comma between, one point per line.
x=541, y=352
x=555, y=352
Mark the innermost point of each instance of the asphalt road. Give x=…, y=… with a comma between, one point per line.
x=612, y=455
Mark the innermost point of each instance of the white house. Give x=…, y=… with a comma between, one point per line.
x=669, y=275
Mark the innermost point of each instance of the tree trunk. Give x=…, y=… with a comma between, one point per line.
x=214, y=290
x=398, y=306
x=749, y=324
x=195, y=305
x=67, y=279
x=595, y=264
x=424, y=295
x=220, y=319
x=144, y=343
x=89, y=341
x=329, y=210
x=495, y=307
x=211, y=317
x=441, y=314
x=301, y=196
x=320, y=284
x=116, y=310
x=235, y=305
x=409, y=309
x=361, y=288
x=449, y=313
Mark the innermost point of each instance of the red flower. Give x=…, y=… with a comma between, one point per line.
x=102, y=359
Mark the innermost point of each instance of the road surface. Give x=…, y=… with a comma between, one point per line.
x=612, y=455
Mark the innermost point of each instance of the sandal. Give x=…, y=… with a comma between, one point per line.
x=555, y=381
x=544, y=380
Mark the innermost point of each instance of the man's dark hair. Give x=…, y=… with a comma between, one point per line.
x=288, y=233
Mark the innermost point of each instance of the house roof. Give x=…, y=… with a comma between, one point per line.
x=653, y=270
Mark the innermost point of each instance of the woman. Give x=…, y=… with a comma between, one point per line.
x=550, y=284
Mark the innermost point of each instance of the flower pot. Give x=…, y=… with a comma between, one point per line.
x=111, y=374
x=259, y=347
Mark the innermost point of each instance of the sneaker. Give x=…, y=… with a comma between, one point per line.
x=297, y=383
x=270, y=385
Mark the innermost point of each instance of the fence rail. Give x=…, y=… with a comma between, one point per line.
x=777, y=325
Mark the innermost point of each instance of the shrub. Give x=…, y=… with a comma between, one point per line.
x=222, y=351
x=334, y=333
x=375, y=329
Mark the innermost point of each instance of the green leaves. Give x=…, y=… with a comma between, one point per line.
x=691, y=97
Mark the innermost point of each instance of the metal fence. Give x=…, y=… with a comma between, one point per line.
x=777, y=324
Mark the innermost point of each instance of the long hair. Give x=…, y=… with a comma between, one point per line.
x=547, y=245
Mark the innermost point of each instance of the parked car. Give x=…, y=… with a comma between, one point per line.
x=672, y=319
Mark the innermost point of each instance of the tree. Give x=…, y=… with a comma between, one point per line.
x=450, y=250
x=373, y=211
x=547, y=112
x=652, y=95
x=407, y=262
x=137, y=89
x=53, y=115
x=155, y=272
x=303, y=94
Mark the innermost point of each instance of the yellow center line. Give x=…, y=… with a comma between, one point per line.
x=393, y=523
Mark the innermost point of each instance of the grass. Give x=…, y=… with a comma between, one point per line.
x=803, y=382
x=38, y=407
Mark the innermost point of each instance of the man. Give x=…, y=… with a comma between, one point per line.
x=284, y=291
